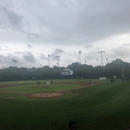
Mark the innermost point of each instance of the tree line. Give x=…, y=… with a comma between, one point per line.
x=115, y=68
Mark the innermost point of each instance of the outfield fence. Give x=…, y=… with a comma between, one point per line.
x=127, y=77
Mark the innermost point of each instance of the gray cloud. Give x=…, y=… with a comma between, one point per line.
x=43, y=57
x=81, y=23
x=86, y=21
x=128, y=45
x=10, y=20
x=19, y=53
x=91, y=55
x=65, y=22
x=29, y=57
x=33, y=36
x=56, y=52
x=8, y=60
x=7, y=48
x=89, y=46
x=29, y=46
x=121, y=51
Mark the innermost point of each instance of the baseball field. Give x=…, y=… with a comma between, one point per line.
x=47, y=105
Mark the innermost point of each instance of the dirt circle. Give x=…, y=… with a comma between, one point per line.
x=46, y=95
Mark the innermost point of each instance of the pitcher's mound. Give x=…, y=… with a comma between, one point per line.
x=46, y=95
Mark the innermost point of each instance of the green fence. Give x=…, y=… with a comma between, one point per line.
x=127, y=77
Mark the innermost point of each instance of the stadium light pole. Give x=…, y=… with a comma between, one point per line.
x=101, y=56
x=58, y=57
x=80, y=57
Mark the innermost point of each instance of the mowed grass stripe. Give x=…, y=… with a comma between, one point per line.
x=101, y=107
x=35, y=89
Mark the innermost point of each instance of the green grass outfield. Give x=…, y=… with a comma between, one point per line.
x=105, y=106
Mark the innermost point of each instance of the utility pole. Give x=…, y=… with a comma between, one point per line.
x=101, y=56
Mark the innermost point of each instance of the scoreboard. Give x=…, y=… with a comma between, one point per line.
x=66, y=72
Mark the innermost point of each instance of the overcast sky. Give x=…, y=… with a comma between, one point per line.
x=30, y=30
